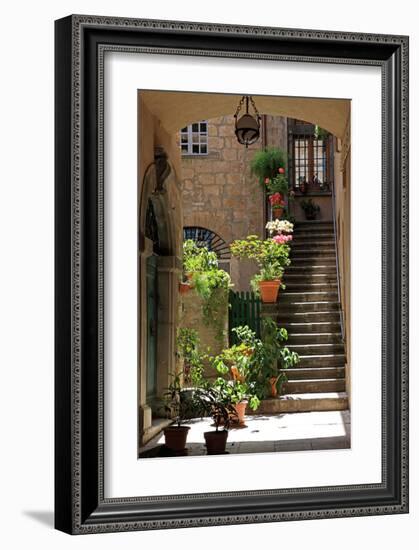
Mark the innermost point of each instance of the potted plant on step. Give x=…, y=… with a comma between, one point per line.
x=277, y=203
x=236, y=361
x=276, y=357
x=178, y=406
x=268, y=163
x=310, y=208
x=272, y=256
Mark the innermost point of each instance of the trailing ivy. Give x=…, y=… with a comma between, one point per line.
x=211, y=283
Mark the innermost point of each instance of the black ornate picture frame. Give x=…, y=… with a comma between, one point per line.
x=80, y=506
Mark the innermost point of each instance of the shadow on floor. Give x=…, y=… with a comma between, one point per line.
x=46, y=517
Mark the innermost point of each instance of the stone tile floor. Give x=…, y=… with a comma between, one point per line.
x=275, y=433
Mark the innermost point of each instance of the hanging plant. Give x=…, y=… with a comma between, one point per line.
x=266, y=163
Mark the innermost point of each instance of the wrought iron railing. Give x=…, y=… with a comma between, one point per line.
x=335, y=232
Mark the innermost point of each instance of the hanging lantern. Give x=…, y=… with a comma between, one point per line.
x=247, y=127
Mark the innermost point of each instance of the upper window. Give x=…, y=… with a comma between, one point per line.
x=194, y=139
x=311, y=157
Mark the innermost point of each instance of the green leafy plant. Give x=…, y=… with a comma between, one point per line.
x=197, y=258
x=320, y=133
x=236, y=392
x=277, y=357
x=210, y=283
x=193, y=359
x=265, y=163
x=214, y=402
x=269, y=357
x=179, y=403
x=271, y=257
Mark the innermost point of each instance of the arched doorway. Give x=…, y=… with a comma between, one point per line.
x=159, y=265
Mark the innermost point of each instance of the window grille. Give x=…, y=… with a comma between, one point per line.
x=194, y=139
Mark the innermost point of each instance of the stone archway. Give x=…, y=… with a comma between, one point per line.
x=159, y=263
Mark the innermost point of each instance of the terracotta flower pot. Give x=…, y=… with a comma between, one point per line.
x=277, y=213
x=216, y=441
x=272, y=383
x=184, y=288
x=175, y=437
x=269, y=291
x=235, y=374
x=240, y=410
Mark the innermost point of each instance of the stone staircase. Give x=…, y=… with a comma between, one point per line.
x=309, y=310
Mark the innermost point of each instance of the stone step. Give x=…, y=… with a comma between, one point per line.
x=284, y=306
x=324, y=373
x=310, y=286
x=284, y=318
x=307, y=328
x=314, y=338
x=304, y=253
x=303, y=268
x=303, y=402
x=317, y=349
x=298, y=244
x=308, y=235
x=313, y=386
x=309, y=277
x=315, y=296
x=313, y=224
x=322, y=360
x=300, y=261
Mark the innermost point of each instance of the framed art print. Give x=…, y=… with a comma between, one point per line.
x=231, y=274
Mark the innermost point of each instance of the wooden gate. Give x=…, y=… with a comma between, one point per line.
x=244, y=310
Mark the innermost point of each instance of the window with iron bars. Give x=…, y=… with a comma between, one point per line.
x=310, y=158
x=194, y=139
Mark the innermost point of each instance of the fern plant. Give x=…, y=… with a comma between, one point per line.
x=265, y=163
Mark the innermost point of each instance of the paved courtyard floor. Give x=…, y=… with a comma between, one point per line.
x=274, y=433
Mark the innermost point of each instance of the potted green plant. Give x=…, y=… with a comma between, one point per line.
x=272, y=256
x=239, y=394
x=310, y=208
x=276, y=356
x=266, y=163
x=178, y=405
x=215, y=403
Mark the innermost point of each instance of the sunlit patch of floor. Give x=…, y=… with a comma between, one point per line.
x=275, y=433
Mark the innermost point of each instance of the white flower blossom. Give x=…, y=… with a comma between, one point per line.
x=279, y=226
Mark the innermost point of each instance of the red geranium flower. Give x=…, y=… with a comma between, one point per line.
x=277, y=200
x=281, y=170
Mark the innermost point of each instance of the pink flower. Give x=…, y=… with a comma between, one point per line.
x=267, y=181
x=281, y=170
x=282, y=239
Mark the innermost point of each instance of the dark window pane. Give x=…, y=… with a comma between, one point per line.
x=195, y=127
x=203, y=126
x=204, y=149
x=195, y=149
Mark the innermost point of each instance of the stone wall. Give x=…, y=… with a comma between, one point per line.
x=212, y=338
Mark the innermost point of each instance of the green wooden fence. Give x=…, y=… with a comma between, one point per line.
x=244, y=310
